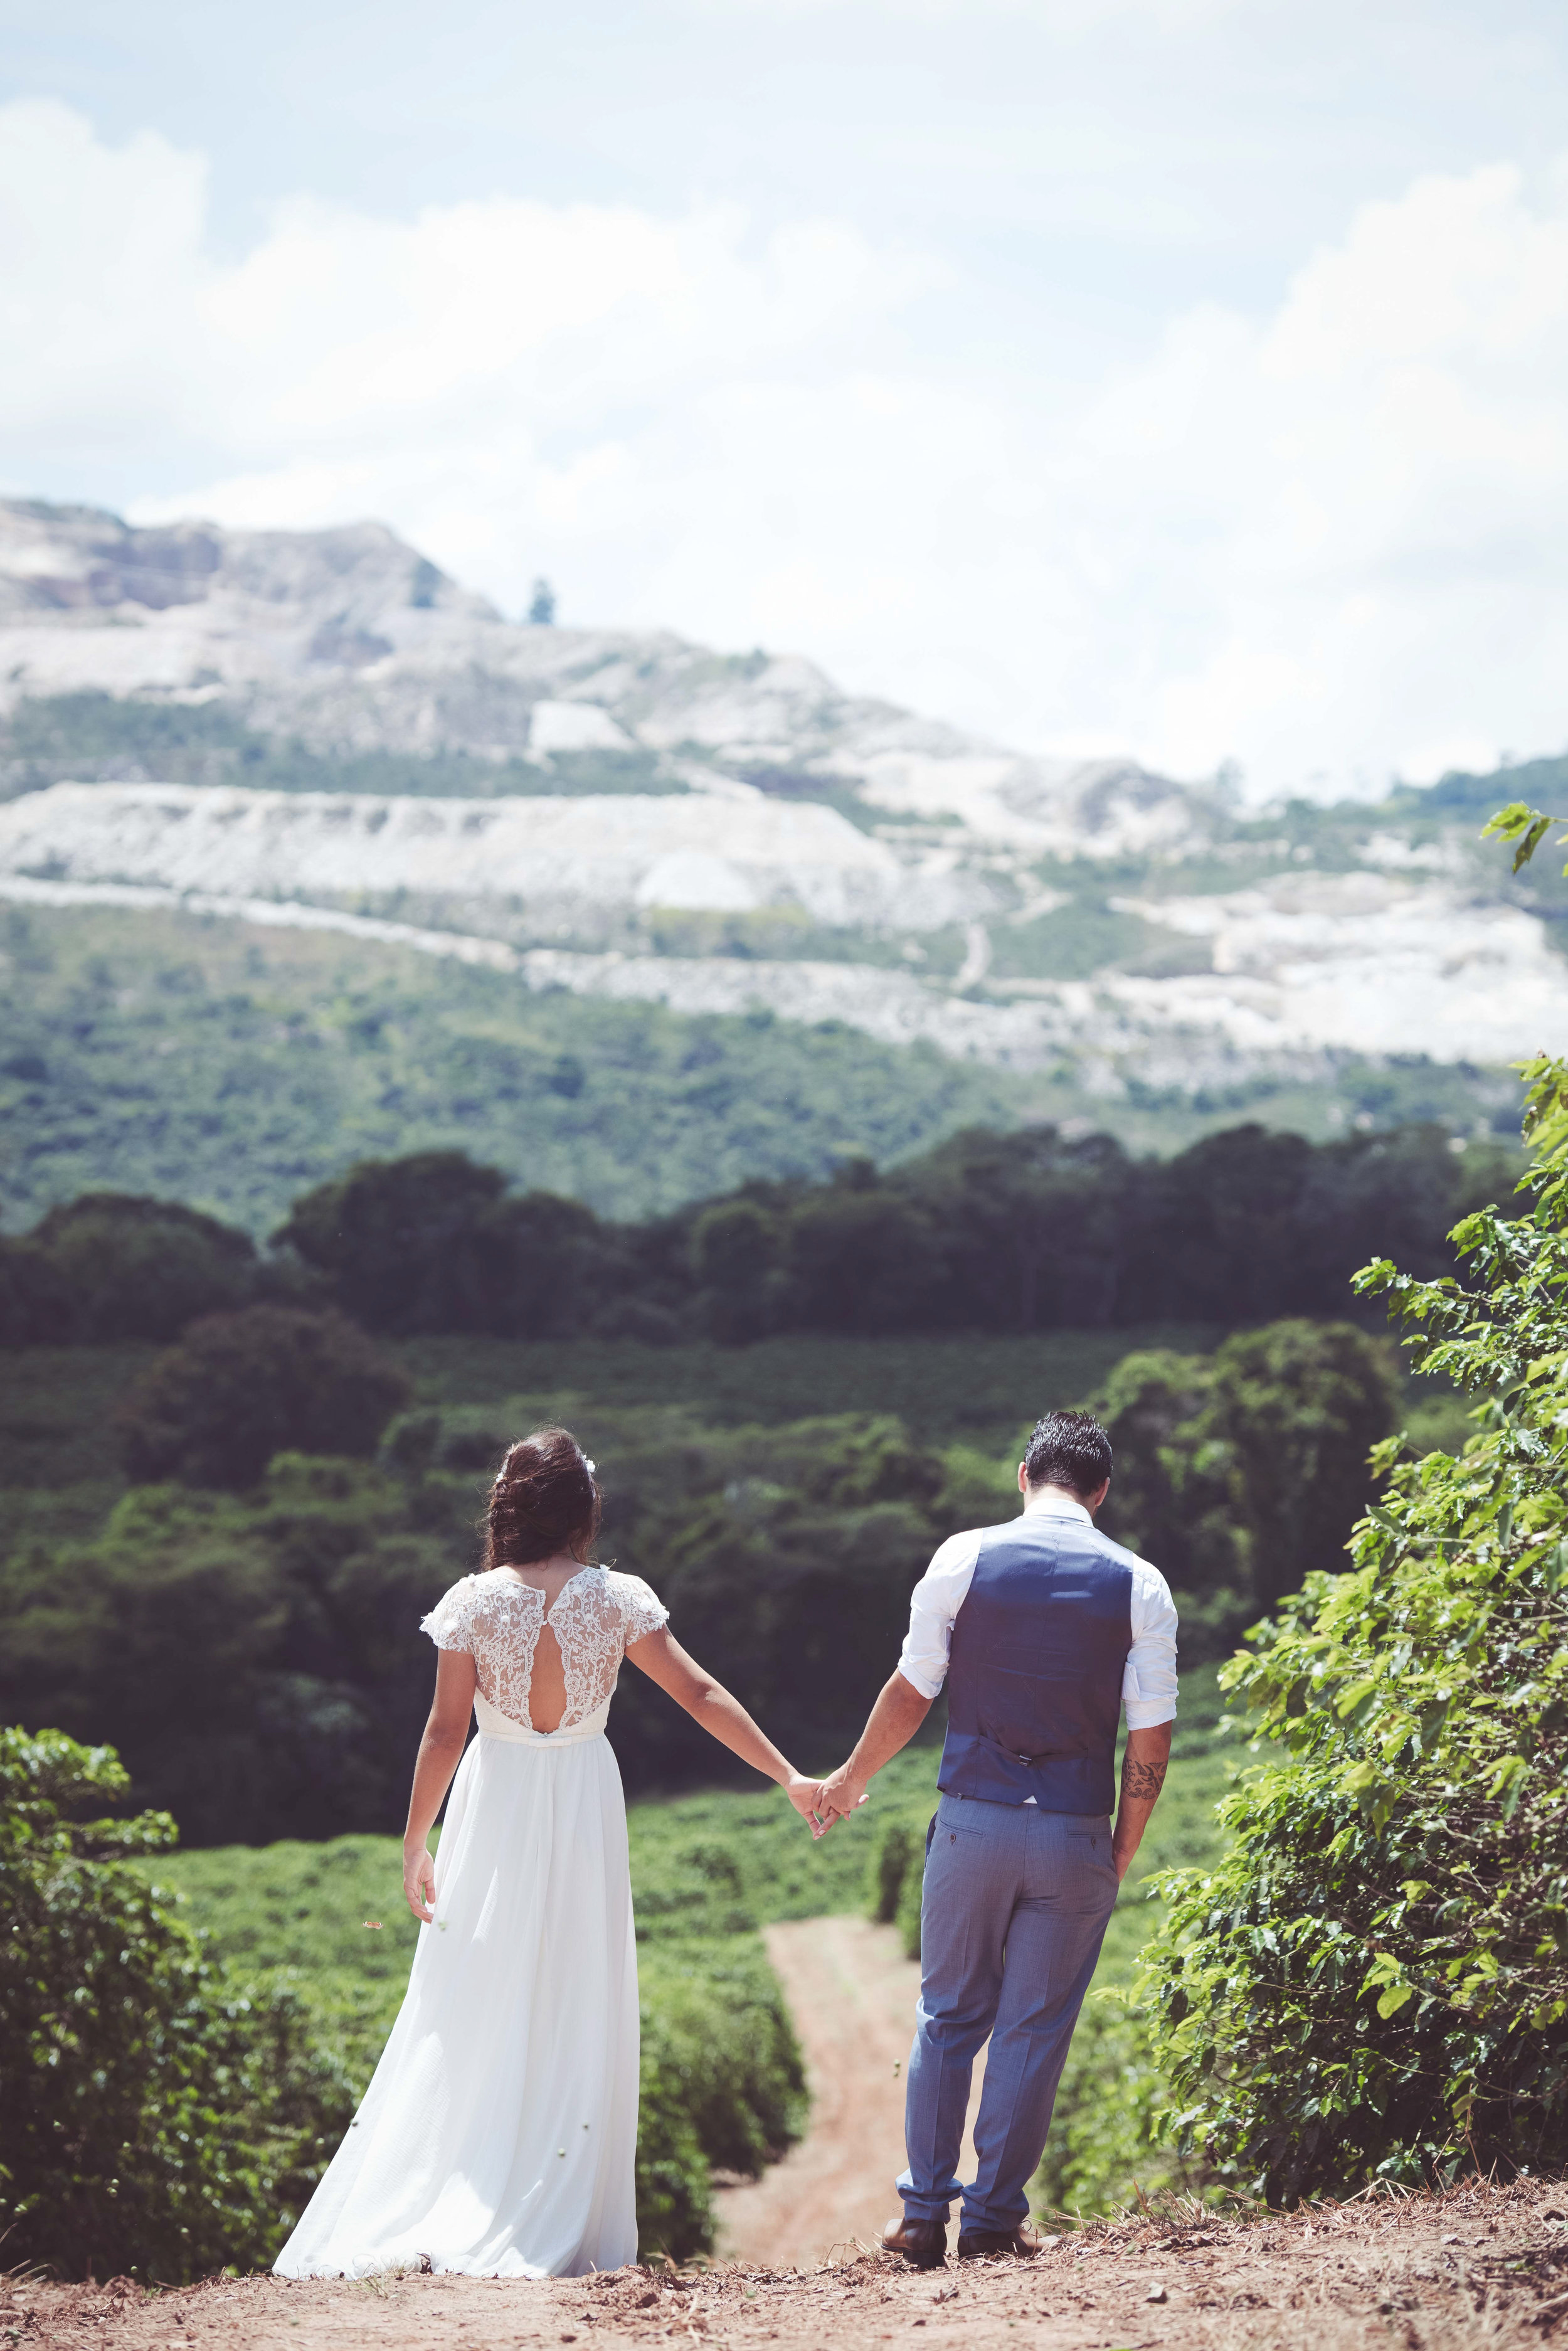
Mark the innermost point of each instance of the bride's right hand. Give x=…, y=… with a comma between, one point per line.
x=419, y=1883
x=802, y=1794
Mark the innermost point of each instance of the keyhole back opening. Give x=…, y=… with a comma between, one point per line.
x=547, y=1688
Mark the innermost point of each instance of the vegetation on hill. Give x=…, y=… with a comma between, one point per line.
x=1015, y=1232
x=232, y=1067
x=96, y=737
x=205, y=1060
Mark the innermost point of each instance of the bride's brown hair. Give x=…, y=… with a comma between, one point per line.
x=544, y=1501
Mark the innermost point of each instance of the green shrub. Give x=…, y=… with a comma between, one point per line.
x=1239, y=1471
x=140, y=1269
x=1375, y=1982
x=674, y=2183
x=717, y=2017
x=240, y=1388
x=892, y=1856
x=158, y=2120
x=906, y=1918
x=896, y=1877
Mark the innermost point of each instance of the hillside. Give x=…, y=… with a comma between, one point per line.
x=249, y=734
x=231, y=1066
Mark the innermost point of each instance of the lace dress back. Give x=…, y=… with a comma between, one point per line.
x=497, y=1620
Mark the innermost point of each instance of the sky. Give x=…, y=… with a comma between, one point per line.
x=1182, y=378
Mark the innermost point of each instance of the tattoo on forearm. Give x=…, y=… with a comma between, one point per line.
x=1142, y=1782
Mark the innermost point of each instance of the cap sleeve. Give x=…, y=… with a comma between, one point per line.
x=450, y=1622
x=641, y=1610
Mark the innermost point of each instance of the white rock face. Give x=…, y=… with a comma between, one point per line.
x=554, y=855
x=573, y=726
x=1368, y=960
x=351, y=640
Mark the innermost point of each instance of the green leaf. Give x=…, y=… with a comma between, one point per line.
x=1522, y=823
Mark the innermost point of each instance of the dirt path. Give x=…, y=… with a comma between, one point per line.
x=1477, y=2271
x=851, y=1993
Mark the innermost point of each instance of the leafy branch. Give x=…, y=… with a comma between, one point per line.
x=1374, y=1984
x=1526, y=826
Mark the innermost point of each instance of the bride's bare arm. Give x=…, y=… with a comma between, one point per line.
x=440, y=1753
x=723, y=1716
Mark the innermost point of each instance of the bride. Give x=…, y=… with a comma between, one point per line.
x=499, y=2132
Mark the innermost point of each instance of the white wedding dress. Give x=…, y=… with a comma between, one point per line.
x=498, y=2136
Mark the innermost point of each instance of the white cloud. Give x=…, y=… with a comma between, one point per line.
x=1325, y=541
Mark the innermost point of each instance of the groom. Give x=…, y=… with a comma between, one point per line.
x=1043, y=1629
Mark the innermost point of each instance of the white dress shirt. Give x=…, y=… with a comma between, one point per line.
x=1149, y=1681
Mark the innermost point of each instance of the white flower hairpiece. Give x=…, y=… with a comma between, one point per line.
x=590, y=1466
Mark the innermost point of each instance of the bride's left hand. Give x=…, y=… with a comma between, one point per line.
x=803, y=1794
x=419, y=1883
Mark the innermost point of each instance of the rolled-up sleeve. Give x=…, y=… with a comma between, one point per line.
x=933, y=1604
x=1149, y=1683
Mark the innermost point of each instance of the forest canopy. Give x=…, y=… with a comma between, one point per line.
x=999, y=1233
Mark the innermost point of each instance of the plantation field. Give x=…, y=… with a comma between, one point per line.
x=708, y=1871
x=975, y=1391
x=60, y=1473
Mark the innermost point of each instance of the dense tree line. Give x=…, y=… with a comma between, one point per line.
x=988, y=1232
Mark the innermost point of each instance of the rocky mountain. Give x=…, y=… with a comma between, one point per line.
x=321, y=728
x=350, y=642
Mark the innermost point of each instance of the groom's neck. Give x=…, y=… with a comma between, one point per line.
x=1035, y=1495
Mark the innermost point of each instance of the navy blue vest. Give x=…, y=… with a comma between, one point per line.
x=1034, y=1681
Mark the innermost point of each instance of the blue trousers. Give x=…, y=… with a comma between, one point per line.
x=1012, y=1921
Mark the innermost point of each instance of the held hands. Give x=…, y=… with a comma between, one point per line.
x=820, y=1803
x=418, y=1882
x=838, y=1796
x=803, y=1794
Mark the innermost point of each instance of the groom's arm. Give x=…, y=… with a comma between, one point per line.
x=908, y=1695
x=1149, y=1693
x=897, y=1715
x=1143, y=1776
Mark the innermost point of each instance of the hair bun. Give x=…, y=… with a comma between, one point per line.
x=543, y=1502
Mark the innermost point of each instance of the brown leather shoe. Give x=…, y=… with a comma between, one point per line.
x=976, y=2243
x=923, y=2242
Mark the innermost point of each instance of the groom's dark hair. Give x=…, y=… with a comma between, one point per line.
x=1070, y=1449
